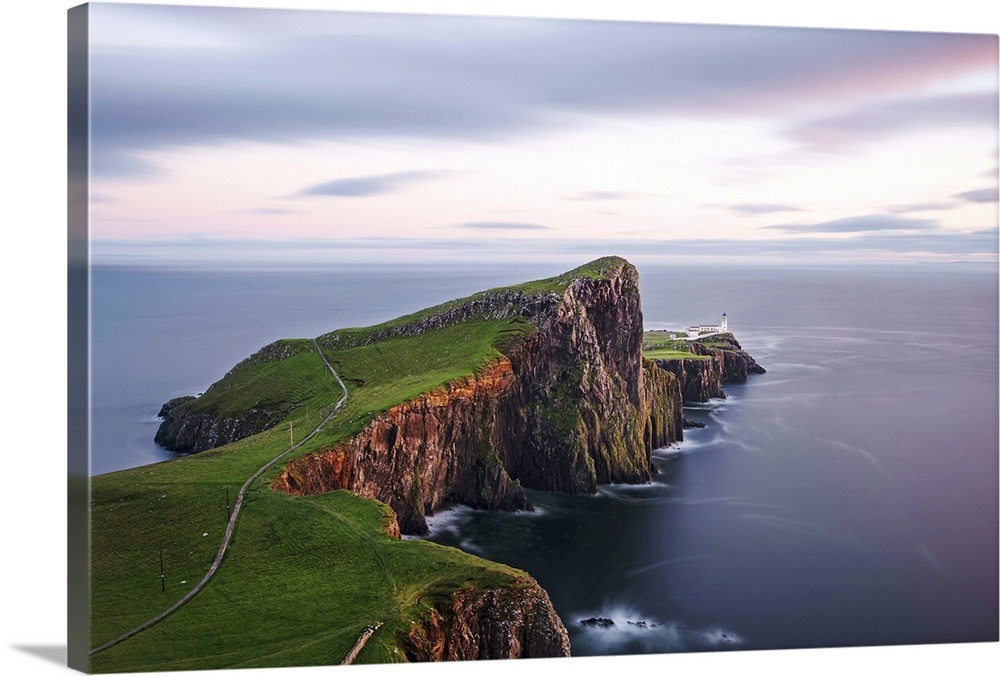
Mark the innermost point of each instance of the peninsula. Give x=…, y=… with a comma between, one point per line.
x=541, y=385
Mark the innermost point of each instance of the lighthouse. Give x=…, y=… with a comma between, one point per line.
x=725, y=323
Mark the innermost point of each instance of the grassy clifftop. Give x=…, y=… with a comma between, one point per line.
x=384, y=365
x=659, y=345
x=304, y=575
x=526, y=300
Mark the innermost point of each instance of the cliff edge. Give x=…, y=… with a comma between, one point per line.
x=568, y=405
x=540, y=385
x=701, y=366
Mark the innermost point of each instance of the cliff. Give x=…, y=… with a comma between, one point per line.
x=735, y=363
x=254, y=396
x=190, y=431
x=500, y=623
x=577, y=411
x=419, y=455
x=570, y=406
x=542, y=385
x=664, y=407
x=714, y=360
x=699, y=379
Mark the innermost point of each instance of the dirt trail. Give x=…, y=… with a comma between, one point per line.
x=362, y=640
x=231, y=526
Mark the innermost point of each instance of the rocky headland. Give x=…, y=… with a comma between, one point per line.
x=714, y=360
x=572, y=406
x=569, y=404
x=499, y=623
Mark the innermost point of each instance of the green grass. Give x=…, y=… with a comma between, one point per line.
x=659, y=345
x=718, y=345
x=672, y=354
x=597, y=269
x=662, y=340
x=398, y=369
x=168, y=506
x=280, y=386
x=304, y=575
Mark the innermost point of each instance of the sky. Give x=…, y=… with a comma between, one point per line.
x=222, y=134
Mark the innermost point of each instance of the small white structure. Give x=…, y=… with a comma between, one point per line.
x=695, y=331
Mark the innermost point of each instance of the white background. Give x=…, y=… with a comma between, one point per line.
x=33, y=363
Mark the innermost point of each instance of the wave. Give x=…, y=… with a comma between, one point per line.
x=634, y=629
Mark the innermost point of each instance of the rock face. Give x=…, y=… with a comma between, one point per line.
x=415, y=457
x=733, y=360
x=187, y=428
x=573, y=406
x=577, y=411
x=664, y=408
x=702, y=379
x=499, y=623
x=185, y=431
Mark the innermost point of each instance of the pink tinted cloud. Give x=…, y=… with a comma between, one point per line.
x=864, y=73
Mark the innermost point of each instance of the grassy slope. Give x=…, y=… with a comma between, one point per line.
x=297, y=562
x=304, y=575
x=281, y=385
x=398, y=369
x=595, y=269
x=659, y=345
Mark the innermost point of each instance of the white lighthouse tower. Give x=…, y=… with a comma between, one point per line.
x=725, y=323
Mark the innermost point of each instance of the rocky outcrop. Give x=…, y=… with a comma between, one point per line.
x=572, y=406
x=715, y=360
x=664, y=408
x=189, y=431
x=417, y=456
x=576, y=414
x=189, y=425
x=700, y=379
x=734, y=362
x=498, y=304
x=499, y=623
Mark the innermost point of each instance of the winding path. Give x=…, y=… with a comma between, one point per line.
x=362, y=640
x=231, y=526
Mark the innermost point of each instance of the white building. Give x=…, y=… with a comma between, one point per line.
x=695, y=331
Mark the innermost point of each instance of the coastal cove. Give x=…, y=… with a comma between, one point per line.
x=776, y=525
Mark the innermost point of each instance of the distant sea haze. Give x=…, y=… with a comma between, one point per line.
x=846, y=497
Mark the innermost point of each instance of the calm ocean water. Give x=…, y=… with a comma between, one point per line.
x=846, y=497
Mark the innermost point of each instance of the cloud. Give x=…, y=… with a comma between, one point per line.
x=879, y=120
x=921, y=206
x=981, y=196
x=980, y=245
x=274, y=211
x=366, y=186
x=285, y=76
x=752, y=209
x=600, y=196
x=100, y=198
x=860, y=224
x=503, y=225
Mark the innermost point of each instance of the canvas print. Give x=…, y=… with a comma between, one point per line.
x=405, y=338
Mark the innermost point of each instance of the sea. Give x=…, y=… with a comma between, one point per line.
x=846, y=497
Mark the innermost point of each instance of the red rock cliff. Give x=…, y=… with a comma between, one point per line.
x=575, y=405
x=500, y=623
x=419, y=455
